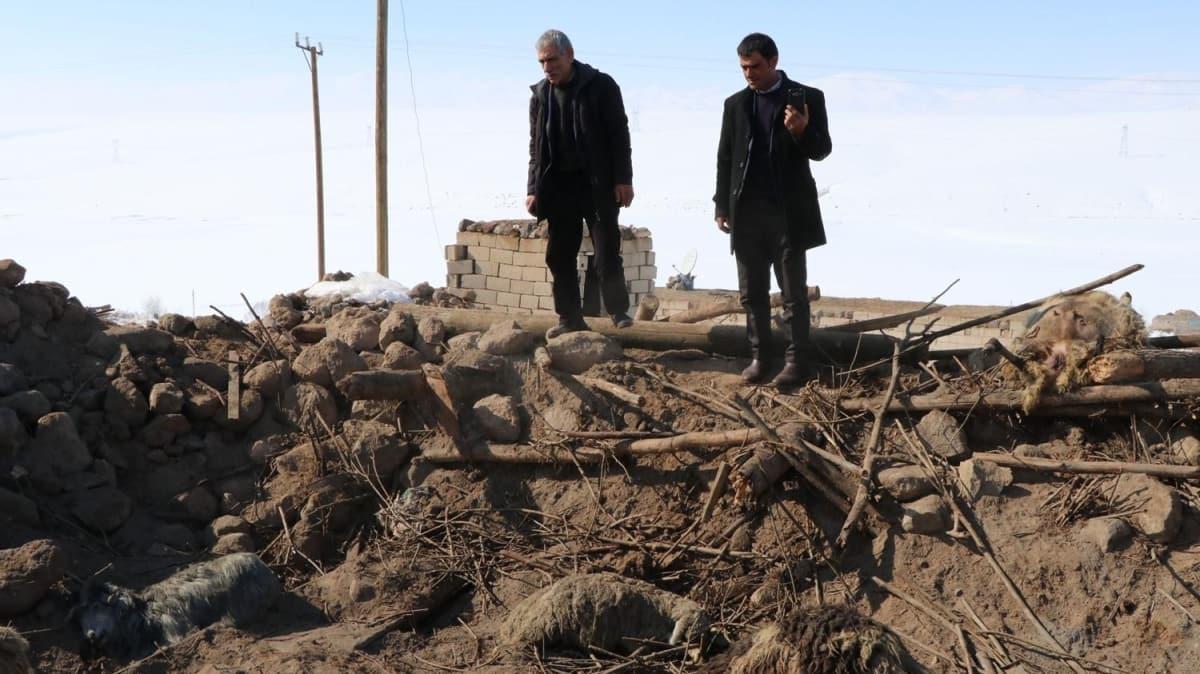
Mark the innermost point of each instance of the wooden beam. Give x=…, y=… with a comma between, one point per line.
x=1089, y=396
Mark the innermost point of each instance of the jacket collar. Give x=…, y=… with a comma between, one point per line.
x=584, y=74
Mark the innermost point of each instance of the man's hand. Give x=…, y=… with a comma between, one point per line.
x=795, y=121
x=531, y=205
x=624, y=195
x=723, y=224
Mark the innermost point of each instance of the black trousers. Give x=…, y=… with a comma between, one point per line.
x=566, y=202
x=760, y=243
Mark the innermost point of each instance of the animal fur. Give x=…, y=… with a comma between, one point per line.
x=234, y=589
x=14, y=653
x=822, y=640
x=1067, y=331
x=605, y=610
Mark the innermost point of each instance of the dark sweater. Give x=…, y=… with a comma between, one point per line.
x=567, y=157
x=761, y=184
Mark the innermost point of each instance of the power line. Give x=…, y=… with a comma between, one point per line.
x=412, y=84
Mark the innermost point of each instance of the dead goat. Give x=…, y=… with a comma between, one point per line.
x=14, y=653
x=605, y=610
x=234, y=589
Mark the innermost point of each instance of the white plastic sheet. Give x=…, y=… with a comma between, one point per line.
x=366, y=287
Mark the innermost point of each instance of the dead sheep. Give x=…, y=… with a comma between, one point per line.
x=14, y=653
x=820, y=640
x=234, y=589
x=1064, y=332
x=605, y=610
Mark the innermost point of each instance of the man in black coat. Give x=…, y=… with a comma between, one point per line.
x=580, y=168
x=767, y=200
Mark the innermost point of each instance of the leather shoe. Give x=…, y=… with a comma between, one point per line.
x=622, y=320
x=755, y=373
x=793, y=374
x=566, y=325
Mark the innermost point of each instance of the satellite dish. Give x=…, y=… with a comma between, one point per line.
x=689, y=262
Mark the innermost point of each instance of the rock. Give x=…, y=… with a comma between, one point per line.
x=262, y=450
x=906, y=483
x=29, y=405
x=236, y=492
x=327, y=362
x=217, y=326
x=283, y=312
x=357, y=327
x=377, y=447
x=499, y=417
x=175, y=535
x=37, y=305
x=231, y=543
x=222, y=456
x=103, y=509
x=563, y=417
x=162, y=431
x=467, y=340
x=166, y=398
x=123, y=401
x=227, y=524
x=306, y=404
x=984, y=478
x=1185, y=446
x=103, y=345
x=397, y=326
x=198, y=503
x=400, y=356
x=10, y=317
x=1157, y=508
x=250, y=408
x=176, y=324
x=927, y=515
x=17, y=508
x=576, y=352
x=141, y=339
x=201, y=403
x=471, y=375
x=164, y=482
x=11, y=273
x=57, y=446
x=942, y=435
x=26, y=575
x=1107, y=533
x=12, y=380
x=506, y=338
x=271, y=377
x=213, y=374
x=432, y=331
x=12, y=432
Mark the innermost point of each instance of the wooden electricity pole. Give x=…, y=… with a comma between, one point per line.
x=311, y=58
x=381, y=200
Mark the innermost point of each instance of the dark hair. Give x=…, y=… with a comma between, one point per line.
x=758, y=42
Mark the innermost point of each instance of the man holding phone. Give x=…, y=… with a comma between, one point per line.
x=767, y=200
x=580, y=169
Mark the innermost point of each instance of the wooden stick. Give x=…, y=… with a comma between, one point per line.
x=647, y=308
x=619, y=392
x=691, y=441
x=1109, y=394
x=714, y=494
x=384, y=385
x=885, y=322
x=731, y=306
x=868, y=467
x=1090, y=467
x=1119, y=367
x=928, y=339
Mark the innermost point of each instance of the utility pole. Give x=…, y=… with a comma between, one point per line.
x=381, y=200
x=310, y=57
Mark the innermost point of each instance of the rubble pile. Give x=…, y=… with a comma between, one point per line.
x=439, y=498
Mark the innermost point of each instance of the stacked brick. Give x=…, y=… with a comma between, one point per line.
x=504, y=264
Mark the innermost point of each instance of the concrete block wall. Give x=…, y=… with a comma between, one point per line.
x=507, y=271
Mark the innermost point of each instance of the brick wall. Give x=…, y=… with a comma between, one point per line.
x=507, y=270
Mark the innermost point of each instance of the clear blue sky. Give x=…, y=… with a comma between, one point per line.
x=161, y=126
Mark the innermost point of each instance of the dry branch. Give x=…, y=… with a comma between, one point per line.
x=1119, y=367
x=1090, y=467
x=1112, y=394
x=619, y=392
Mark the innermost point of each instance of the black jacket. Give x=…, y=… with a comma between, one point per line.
x=601, y=129
x=789, y=161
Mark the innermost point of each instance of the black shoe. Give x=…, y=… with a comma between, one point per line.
x=793, y=375
x=622, y=320
x=566, y=325
x=755, y=373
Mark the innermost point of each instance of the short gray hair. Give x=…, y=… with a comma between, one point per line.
x=556, y=39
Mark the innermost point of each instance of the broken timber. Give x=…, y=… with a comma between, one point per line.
x=1119, y=367
x=1075, y=401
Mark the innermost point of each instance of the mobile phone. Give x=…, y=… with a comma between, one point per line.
x=795, y=98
